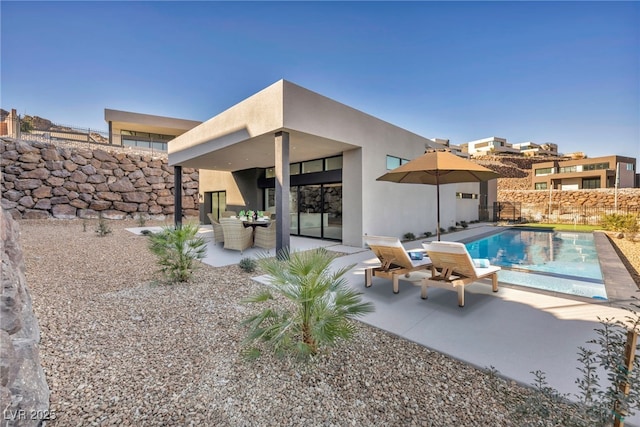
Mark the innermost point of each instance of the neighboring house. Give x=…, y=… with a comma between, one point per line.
x=532, y=149
x=144, y=130
x=454, y=149
x=598, y=172
x=324, y=157
x=492, y=145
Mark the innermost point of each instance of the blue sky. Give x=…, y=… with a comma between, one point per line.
x=562, y=72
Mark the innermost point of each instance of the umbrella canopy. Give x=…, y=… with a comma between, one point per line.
x=439, y=167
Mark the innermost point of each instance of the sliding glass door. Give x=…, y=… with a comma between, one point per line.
x=315, y=210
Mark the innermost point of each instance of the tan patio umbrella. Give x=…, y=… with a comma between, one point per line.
x=439, y=167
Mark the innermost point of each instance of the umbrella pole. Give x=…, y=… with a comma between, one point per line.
x=438, y=201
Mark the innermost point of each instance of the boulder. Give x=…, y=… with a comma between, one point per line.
x=27, y=184
x=63, y=211
x=103, y=156
x=50, y=154
x=78, y=176
x=122, y=185
x=39, y=173
x=35, y=214
x=125, y=207
x=23, y=388
x=41, y=192
x=135, y=197
x=113, y=214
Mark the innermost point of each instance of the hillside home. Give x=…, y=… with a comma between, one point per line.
x=598, y=172
x=144, y=130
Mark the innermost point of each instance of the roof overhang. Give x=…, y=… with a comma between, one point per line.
x=243, y=136
x=148, y=123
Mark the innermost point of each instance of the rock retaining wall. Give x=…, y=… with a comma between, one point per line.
x=628, y=198
x=41, y=180
x=24, y=394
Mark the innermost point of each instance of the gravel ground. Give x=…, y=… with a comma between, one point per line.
x=120, y=349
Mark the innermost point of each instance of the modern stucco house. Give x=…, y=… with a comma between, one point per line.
x=314, y=162
x=597, y=172
x=144, y=130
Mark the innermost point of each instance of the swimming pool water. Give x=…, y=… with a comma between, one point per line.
x=555, y=261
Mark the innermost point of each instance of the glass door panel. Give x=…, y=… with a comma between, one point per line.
x=311, y=218
x=332, y=196
x=218, y=203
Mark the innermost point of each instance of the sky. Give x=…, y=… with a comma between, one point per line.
x=560, y=72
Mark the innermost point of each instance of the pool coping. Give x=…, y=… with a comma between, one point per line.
x=619, y=285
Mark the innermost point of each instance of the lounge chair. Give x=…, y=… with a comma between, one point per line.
x=265, y=237
x=394, y=260
x=236, y=236
x=454, y=269
x=218, y=234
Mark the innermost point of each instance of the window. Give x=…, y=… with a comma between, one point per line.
x=312, y=166
x=595, y=166
x=541, y=186
x=394, y=162
x=332, y=163
x=629, y=166
x=318, y=165
x=466, y=196
x=591, y=183
x=544, y=171
x=568, y=169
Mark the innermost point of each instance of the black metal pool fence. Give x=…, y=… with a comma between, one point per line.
x=555, y=213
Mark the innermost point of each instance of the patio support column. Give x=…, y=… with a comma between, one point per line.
x=177, y=196
x=283, y=217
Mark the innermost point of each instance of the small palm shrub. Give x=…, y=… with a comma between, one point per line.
x=464, y=224
x=409, y=236
x=427, y=234
x=442, y=230
x=177, y=250
x=452, y=228
x=248, y=265
x=317, y=309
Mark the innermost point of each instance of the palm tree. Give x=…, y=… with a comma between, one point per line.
x=177, y=249
x=321, y=305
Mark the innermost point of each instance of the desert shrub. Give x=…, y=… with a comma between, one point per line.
x=427, y=234
x=409, y=236
x=618, y=222
x=464, y=224
x=452, y=228
x=248, y=265
x=597, y=404
x=103, y=228
x=177, y=250
x=442, y=230
x=141, y=220
x=317, y=313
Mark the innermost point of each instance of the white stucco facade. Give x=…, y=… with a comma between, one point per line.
x=242, y=138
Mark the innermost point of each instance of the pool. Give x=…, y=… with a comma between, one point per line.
x=561, y=262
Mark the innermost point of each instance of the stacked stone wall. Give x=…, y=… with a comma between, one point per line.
x=628, y=198
x=41, y=180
